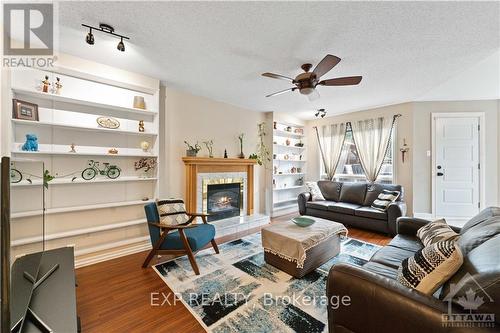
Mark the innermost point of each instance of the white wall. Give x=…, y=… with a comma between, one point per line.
x=422, y=185
x=404, y=130
x=194, y=118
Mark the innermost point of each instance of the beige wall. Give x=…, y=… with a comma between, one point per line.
x=194, y=118
x=404, y=130
x=422, y=185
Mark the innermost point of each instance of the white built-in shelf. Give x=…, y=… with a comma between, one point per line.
x=65, y=181
x=81, y=128
x=292, y=205
x=289, y=188
x=279, y=202
x=288, y=146
x=62, y=98
x=289, y=174
x=48, y=149
x=80, y=208
x=283, y=160
x=286, y=133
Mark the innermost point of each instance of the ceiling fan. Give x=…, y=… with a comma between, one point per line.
x=306, y=82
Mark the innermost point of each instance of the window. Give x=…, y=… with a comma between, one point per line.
x=349, y=168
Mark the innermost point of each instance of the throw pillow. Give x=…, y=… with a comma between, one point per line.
x=436, y=231
x=430, y=267
x=316, y=194
x=172, y=212
x=384, y=199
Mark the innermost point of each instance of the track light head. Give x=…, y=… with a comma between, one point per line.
x=316, y=114
x=320, y=113
x=121, y=46
x=90, y=38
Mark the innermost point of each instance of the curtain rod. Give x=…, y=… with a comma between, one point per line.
x=394, y=116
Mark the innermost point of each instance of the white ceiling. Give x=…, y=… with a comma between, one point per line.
x=219, y=49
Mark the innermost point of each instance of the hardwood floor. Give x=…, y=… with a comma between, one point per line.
x=115, y=296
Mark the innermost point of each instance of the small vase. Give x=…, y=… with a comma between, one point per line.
x=191, y=153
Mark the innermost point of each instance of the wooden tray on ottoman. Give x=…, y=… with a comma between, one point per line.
x=315, y=257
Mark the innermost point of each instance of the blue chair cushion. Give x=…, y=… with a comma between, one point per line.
x=197, y=237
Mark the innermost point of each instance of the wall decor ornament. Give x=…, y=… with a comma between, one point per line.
x=113, y=151
x=139, y=103
x=58, y=86
x=24, y=110
x=192, y=151
x=240, y=137
x=145, y=146
x=108, y=122
x=146, y=164
x=31, y=143
x=45, y=84
x=141, y=126
x=404, y=149
x=210, y=147
x=263, y=153
x=94, y=169
x=73, y=150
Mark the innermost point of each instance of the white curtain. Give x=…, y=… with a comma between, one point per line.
x=331, y=139
x=372, y=137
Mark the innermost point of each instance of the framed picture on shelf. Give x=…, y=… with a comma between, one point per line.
x=24, y=110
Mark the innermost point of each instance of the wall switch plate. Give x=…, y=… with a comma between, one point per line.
x=428, y=153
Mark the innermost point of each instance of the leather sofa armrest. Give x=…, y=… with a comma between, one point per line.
x=410, y=225
x=394, y=211
x=302, y=199
x=378, y=304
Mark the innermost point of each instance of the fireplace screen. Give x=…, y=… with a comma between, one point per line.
x=223, y=201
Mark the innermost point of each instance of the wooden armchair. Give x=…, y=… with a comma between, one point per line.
x=167, y=237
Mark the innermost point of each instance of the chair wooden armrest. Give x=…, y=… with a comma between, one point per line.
x=198, y=214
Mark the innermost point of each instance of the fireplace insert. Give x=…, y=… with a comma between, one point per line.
x=223, y=201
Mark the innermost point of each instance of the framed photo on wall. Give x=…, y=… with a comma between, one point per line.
x=24, y=110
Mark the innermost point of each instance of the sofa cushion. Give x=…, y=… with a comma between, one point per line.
x=316, y=194
x=321, y=205
x=406, y=242
x=197, y=237
x=391, y=256
x=436, y=231
x=344, y=208
x=330, y=189
x=370, y=213
x=478, y=234
x=353, y=193
x=431, y=267
x=373, y=191
x=380, y=269
x=384, y=199
x=484, y=215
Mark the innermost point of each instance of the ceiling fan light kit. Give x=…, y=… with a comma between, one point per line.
x=107, y=29
x=307, y=82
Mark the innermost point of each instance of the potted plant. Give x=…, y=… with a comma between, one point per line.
x=192, y=150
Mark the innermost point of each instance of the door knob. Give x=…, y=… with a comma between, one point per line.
x=439, y=174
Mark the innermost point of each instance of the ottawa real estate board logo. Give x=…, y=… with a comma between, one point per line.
x=28, y=39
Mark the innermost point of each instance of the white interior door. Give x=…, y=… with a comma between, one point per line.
x=456, y=166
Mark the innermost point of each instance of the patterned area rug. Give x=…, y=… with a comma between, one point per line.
x=238, y=292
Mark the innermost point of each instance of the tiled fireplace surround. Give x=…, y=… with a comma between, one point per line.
x=203, y=171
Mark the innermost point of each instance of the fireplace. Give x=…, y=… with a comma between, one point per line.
x=224, y=200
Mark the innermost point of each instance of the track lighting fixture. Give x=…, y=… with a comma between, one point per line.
x=107, y=29
x=320, y=113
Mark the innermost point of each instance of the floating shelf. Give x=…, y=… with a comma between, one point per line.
x=80, y=208
x=47, y=151
x=61, y=98
x=292, y=205
x=285, y=201
x=289, y=174
x=289, y=188
x=285, y=146
x=81, y=128
x=283, y=160
x=286, y=133
x=67, y=181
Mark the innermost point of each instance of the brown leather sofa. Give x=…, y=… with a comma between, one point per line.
x=380, y=304
x=349, y=204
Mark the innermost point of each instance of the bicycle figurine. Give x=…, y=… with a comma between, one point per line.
x=15, y=175
x=111, y=171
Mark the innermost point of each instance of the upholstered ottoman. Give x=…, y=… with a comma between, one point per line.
x=300, y=250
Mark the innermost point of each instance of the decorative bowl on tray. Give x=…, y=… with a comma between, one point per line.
x=303, y=221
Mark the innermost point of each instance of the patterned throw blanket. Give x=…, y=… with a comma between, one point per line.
x=290, y=242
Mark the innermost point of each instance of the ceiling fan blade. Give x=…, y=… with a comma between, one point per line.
x=314, y=95
x=282, y=92
x=277, y=76
x=325, y=65
x=342, y=81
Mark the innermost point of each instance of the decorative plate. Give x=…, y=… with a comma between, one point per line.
x=303, y=221
x=108, y=122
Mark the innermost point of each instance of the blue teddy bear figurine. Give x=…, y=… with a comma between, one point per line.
x=31, y=143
